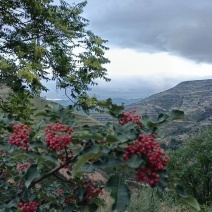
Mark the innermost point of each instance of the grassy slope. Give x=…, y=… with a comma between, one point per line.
x=40, y=103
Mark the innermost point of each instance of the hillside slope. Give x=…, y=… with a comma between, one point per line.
x=192, y=97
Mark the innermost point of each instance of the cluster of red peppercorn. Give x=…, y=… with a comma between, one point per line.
x=92, y=190
x=59, y=192
x=156, y=158
x=20, y=136
x=130, y=117
x=28, y=207
x=23, y=166
x=69, y=200
x=58, y=136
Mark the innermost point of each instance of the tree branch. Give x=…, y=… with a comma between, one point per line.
x=34, y=182
x=75, y=104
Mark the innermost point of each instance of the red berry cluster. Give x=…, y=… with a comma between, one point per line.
x=58, y=136
x=156, y=158
x=69, y=200
x=130, y=117
x=92, y=190
x=23, y=166
x=59, y=191
x=20, y=136
x=28, y=207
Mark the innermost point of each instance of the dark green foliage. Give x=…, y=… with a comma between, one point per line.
x=119, y=192
x=38, y=38
x=192, y=166
x=19, y=106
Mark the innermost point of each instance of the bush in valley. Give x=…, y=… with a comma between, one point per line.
x=191, y=165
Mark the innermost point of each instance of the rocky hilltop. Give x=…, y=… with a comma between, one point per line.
x=193, y=97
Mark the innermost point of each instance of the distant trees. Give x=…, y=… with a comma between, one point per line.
x=192, y=166
x=43, y=41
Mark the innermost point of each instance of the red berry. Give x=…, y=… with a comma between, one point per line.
x=58, y=136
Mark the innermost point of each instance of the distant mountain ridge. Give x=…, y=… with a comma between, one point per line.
x=192, y=97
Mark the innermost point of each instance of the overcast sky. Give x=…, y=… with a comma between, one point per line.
x=153, y=43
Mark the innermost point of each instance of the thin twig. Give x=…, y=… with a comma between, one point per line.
x=63, y=180
x=70, y=98
x=66, y=153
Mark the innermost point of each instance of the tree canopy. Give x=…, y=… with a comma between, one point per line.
x=42, y=41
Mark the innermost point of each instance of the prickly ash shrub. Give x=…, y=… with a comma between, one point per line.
x=51, y=154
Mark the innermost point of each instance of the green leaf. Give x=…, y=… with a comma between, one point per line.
x=111, y=138
x=34, y=155
x=80, y=192
x=192, y=202
x=38, y=126
x=145, y=120
x=107, y=163
x=162, y=117
x=69, y=207
x=89, y=135
x=135, y=161
x=6, y=147
x=40, y=113
x=99, y=202
x=51, y=158
x=37, y=142
x=83, y=159
x=119, y=192
x=87, y=167
x=91, y=149
x=176, y=114
x=31, y=174
x=180, y=191
x=163, y=180
x=187, y=199
x=122, y=137
x=20, y=156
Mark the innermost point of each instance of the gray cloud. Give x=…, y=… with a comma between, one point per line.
x=180, y=27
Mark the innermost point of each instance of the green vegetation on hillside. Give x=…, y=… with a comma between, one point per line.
x=191, y=166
